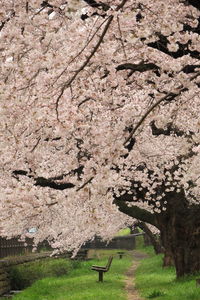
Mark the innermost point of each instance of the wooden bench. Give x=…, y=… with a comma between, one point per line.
x=121, y=254
x=102, y=270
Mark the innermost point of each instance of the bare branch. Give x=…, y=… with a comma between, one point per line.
x=3, y=23
x=85, y=100
x=83, y=185
x=37, y=143
x=121, y=37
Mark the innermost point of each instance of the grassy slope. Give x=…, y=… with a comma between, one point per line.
x=155, y=282
x=81, y=284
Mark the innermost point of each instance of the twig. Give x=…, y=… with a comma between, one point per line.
x=85, y=100
x=83, y=185
x=35, y=144
x=85, y=63
x=121, y=38
x=67, y=84
x=81, y=51
x=171, y=95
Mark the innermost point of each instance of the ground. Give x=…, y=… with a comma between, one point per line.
x=132, y=293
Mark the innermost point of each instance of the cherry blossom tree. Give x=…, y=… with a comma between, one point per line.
x=99, y=113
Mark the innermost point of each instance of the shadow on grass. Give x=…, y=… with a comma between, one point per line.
x=156, y=282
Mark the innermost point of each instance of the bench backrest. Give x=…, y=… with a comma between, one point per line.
x=109, y=262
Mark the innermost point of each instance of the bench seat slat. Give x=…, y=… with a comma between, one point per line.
x=97, y=267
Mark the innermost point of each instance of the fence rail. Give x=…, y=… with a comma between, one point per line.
x=127, y=242
x=13, y=247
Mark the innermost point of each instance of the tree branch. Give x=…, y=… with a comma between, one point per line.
x=135, y=212
x=156, y=244
x=68, y=83
x=95, y=4
x=3, y=23
x=169, y=97
x=45, y=182
x=168, y=130
x=141, y=67
x=85, y=63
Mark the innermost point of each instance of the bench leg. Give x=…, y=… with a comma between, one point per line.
x=101, y=276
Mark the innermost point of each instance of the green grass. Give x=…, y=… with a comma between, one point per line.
x=139, y=241
x=104, y=253
x=124, y=231
x=82, y=283
x=155, y=282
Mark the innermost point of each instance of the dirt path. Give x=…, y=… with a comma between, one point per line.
x=130, y=284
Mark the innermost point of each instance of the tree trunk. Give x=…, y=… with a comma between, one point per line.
x=187, y=253
x=168, y=259
x=147, y=240
x=133, y=229
x=152, y=238
x=180, y=235
x=183, y=250
x=179, y=226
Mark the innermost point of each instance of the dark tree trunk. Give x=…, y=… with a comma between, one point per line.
x=179, y=226
x=168, y=259
x=186, y=250
x=182, y=248
x=180, y=234
x=147, y=240
x=152, y=238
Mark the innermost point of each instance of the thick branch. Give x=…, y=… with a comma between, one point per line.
x=168, y=130
x=45, y=182
x=141, y=67
x=195, y=3
x=190, y=68
x=95, y=4
x=157, y=246
x=135, y=212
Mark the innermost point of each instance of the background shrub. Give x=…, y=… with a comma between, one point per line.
x=24, y=275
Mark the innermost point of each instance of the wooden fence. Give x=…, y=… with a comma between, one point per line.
x=127, y=242
x=13, y=247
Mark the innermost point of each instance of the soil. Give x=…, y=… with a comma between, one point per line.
x=132, y=293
